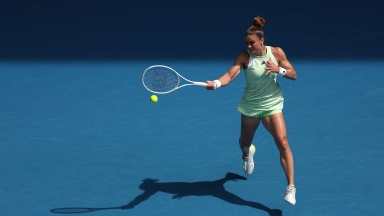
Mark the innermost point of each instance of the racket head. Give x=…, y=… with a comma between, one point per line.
x=73, y=210
x=160, y=79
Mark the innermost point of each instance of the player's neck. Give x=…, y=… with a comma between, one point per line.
x=262, y=52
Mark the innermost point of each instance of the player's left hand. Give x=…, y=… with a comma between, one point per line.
x=271, y=67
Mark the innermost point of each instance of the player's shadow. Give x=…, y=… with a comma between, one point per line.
x=183, y=189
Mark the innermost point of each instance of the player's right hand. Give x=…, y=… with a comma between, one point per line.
x=210, y=85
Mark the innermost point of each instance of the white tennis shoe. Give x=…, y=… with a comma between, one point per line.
x=290, y=194
x=249, y=165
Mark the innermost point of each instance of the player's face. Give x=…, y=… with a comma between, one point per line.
x=254, y=43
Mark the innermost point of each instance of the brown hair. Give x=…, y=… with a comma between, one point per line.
x=257, y=27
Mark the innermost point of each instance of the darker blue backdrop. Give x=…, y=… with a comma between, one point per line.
x=212, y=29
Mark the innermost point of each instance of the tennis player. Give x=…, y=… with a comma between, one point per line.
x=262, y=99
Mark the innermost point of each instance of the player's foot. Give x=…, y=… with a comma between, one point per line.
x=290, y=194
x=248, y=161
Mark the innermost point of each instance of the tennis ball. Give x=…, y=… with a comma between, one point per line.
x=153, y=98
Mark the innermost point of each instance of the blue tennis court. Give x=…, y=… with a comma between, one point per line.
x=84, y=137
x=80, y=136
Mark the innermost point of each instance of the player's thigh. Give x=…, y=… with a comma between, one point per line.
x=248, y=128
x=275, y=125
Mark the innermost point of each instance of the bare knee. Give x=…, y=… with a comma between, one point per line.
x=282, y=144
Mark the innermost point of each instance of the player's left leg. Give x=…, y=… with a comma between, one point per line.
x=275, y=124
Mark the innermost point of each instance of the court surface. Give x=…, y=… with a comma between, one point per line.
x=83, y=136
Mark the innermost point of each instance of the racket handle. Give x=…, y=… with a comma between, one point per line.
x=199, y=83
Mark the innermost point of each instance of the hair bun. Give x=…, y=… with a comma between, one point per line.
x=259, y=22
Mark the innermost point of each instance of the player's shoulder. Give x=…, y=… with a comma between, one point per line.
x=243, y=55
x=242, y=59
x=277, y=50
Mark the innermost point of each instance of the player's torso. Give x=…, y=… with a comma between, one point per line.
x=255, y=73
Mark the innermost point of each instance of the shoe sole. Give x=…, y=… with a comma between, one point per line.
x=289, y=202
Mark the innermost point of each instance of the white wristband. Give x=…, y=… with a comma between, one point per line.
x=217, y=83
x=282, y=71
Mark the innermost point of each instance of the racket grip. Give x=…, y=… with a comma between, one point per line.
x=199, y=83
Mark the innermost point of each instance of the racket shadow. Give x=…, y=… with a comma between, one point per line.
x=179, y=190
x=76, y=210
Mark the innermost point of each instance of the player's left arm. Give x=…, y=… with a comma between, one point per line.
x=283, y=62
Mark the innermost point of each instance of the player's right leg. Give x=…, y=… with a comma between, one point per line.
x=248, y=129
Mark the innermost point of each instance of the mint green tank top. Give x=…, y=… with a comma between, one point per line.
x=262, y=92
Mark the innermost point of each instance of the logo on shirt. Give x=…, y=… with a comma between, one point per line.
x=263, y=62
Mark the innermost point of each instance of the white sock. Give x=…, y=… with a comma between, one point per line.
x=250, y=159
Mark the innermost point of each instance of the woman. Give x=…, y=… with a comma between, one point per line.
x=262, y=100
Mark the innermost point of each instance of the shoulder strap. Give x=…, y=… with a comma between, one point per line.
x=273, y=58
x=250, y=59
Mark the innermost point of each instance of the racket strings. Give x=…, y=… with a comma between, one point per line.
x=160, y=79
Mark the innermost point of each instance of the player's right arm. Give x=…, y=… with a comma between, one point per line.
x=241, y=61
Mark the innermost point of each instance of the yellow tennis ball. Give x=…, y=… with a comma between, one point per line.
x=153, y=98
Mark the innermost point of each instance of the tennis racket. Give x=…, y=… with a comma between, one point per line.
x=162, y=79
